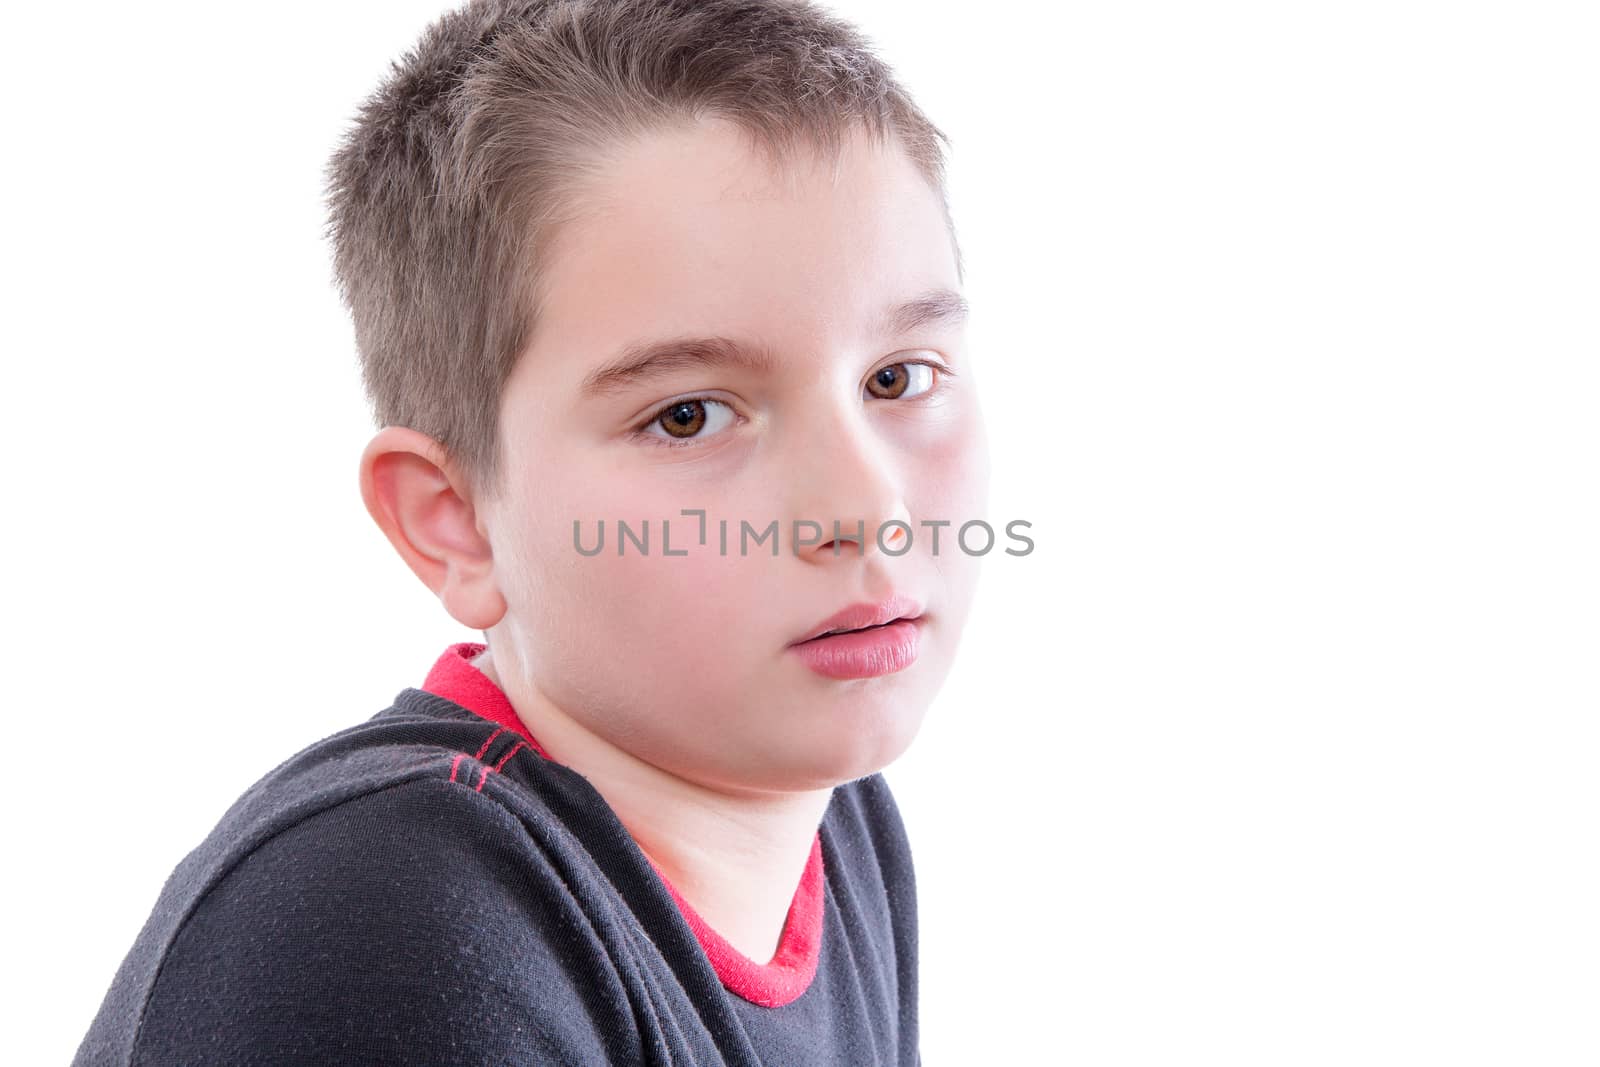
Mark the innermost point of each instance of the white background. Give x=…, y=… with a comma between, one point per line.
x=1281, y=747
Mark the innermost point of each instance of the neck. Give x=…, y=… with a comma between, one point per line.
x=736, y=858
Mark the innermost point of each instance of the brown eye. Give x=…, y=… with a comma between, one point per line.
x=892, y=381
x=683, y=420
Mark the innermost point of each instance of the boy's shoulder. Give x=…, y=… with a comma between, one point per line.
x=391, y=885
x=364, y=895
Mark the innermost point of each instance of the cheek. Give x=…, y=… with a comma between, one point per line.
x=665, y=655
x=643, y=617
x=952, y=471
x=952, y=487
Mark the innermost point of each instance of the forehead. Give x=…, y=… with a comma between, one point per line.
x=690, y=231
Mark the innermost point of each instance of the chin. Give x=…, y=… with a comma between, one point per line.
x=829, y=761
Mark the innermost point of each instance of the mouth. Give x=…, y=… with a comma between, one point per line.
x=864, y=617
x=859, y=629
x=863, y=650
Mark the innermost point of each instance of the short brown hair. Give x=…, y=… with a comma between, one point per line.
x=449, y=187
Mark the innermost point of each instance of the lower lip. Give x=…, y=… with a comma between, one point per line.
x=863, y=654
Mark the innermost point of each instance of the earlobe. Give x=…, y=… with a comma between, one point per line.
x=416, y=495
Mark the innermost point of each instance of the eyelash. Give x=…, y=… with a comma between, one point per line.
x=941, y=373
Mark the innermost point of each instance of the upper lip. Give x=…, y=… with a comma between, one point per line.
x=863, y=614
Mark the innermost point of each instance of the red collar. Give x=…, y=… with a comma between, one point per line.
x=772, y=984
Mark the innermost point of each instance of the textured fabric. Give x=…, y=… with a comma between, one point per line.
x=428, y=887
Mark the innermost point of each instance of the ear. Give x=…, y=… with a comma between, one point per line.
x=420, y=501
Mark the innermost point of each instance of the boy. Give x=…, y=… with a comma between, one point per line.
x=614, y=266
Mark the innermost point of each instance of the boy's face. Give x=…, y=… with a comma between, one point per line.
x=685, y=661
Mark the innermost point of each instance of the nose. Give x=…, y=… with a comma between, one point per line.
x=847, y=494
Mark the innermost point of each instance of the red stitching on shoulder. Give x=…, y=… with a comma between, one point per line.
x=508, y=755
x=455, y=764
x=485, y=775
x=489, y=742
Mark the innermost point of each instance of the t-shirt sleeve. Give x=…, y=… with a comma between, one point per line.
x=418, y=924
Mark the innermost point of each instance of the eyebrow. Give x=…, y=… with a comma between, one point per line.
x=652, y=359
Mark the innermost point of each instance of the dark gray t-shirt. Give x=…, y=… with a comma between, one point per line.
x=429, y=887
